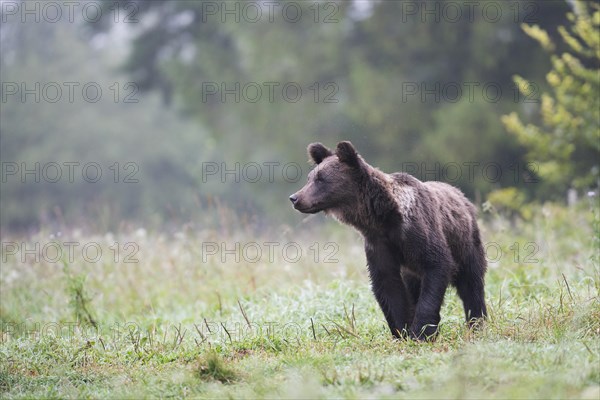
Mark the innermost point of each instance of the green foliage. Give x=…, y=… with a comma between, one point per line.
x=79, y=300
x=450, y=145
x=307, y=329
x=566, y=144
x=509, y=201
x=361, y=61
x=212, y=366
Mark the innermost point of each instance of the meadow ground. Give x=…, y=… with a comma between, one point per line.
x=288, y=313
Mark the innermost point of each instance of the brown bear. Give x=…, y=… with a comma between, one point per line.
x=419, y=236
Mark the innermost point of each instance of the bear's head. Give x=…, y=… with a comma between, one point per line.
x=334, y=182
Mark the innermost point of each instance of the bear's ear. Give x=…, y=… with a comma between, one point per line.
x=317, y=152
x=347, y=154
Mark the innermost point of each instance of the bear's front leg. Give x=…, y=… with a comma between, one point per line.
x=433, y=288
x=389, y=289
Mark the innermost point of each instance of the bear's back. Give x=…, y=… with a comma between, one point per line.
x=439, y=207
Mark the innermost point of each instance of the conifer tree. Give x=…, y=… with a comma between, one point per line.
x=565, y=145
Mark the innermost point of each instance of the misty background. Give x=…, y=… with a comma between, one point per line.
x=158, y=114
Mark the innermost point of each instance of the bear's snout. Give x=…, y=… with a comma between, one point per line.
x=302, y=203
x=298, y=202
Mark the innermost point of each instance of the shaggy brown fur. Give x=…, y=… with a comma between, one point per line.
x=419, y=236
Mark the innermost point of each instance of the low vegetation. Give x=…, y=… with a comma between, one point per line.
x=225, y=312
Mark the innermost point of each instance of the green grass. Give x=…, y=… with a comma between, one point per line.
x=171, y=325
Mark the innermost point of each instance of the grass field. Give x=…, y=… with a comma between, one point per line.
x=224, y=312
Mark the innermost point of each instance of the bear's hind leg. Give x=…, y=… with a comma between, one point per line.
x=470, y=287
x=412, y=283
x=471, y=292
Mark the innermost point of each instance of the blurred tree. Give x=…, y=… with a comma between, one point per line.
x=139, y=146
x=455, y=144
x=371, y=57
x=354, y=62
x=565, y=144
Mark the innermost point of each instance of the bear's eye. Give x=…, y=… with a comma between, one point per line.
x=319, y=178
